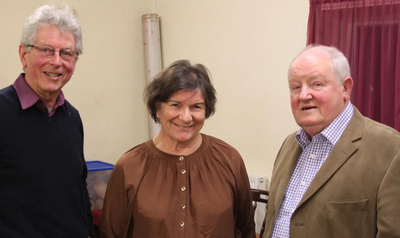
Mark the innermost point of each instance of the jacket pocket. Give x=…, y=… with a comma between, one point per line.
x=346, y=206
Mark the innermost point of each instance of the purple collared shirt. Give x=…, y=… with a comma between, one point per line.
x=315, y=152
x=28, y=97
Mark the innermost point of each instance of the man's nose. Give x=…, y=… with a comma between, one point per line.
x=305, y=93
x=56, y=59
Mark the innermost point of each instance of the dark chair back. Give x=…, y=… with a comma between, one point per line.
x=259, y=195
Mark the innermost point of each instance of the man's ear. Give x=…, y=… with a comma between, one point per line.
x=347, y=86
x=22, y=55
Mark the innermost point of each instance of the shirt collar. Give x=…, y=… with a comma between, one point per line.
x=332, y=132
x=28, y=97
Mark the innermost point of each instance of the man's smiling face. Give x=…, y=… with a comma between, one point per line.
x=47, y=75
x=317, y=97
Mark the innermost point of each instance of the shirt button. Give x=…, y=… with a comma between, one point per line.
x=183, y=206
x=183, y=171
x=182, y=223
x=181, y=158
x=183, y=188
x=303, y=183
x=312, y=156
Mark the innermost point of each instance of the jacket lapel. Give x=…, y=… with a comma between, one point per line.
x=342, y=151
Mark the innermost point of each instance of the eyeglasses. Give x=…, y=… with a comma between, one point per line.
x=46, y=51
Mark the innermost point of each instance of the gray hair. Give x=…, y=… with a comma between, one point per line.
x=340, y=65
x=48, y=15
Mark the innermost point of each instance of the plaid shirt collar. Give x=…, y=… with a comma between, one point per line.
x=332, y=132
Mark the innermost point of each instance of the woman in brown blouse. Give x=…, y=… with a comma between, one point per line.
x=181, y=183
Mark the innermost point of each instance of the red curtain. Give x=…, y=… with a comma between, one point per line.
x=367, y=32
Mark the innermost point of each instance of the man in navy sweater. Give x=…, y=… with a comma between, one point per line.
x=42, y=168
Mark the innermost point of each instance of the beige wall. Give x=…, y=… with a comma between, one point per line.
x=246, y=44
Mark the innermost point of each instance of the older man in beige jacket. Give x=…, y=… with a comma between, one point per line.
x=339, y=175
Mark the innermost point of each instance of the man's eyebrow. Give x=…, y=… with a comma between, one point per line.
x=49, y=45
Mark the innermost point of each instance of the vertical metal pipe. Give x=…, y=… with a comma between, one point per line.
x=152, y=56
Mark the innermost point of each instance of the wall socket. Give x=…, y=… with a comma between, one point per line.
x=259, y=182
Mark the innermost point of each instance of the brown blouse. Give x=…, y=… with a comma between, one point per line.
x=154, y=194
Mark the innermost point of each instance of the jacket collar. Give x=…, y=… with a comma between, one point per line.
x=343, y=150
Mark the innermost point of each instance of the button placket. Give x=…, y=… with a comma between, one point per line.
x=182, y=180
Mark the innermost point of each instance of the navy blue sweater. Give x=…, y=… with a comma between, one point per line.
x=42, y=172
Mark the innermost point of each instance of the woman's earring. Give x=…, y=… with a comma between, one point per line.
x=157, y=115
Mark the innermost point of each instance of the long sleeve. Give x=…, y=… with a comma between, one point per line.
x=87, y=201
x=245, y=215
x=115, y=216
x=388, y=209
x=85, y=193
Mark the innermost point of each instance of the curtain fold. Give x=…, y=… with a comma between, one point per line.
x=367, y=32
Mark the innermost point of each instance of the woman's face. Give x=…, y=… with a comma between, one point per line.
x=182, y=117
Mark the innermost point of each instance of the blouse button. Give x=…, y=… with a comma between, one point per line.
x=182, y=223
x=183, y=188
x=183, y=171
x=183, y=206
x=181, y=158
